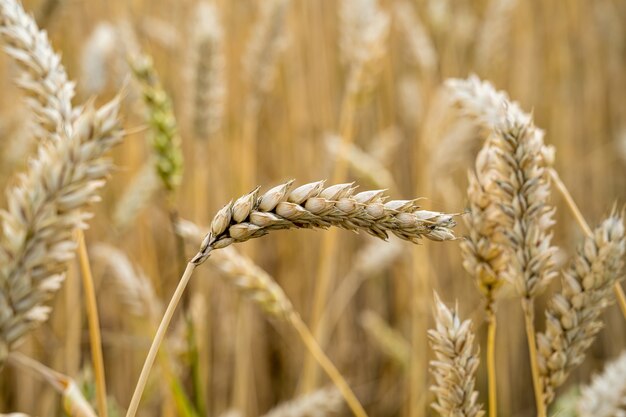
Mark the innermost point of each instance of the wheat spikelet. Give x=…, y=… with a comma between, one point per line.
x=314, y=206
x=324, y=402
x=209, y=61
x=518, y=159
x=165, y=140
x=455, y=364
x=573, y=316
x=606, y=395
x=44, y=208
x=43, y=77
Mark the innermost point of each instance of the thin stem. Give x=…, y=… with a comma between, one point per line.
x=529, y=317
x=95, y=338
x=329, y=243
x=570, y=202
x=491, y=363
x=158, y=339
x=619, y=292
x=327, y=365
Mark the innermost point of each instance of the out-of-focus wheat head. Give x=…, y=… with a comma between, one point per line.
x=268, y=41
x=455, y=364
x=43, y=78
x=364, y=28
x=209, y=77
x=484, y=258
x=165, y=140
x=573, y=315
x=325, y=402
x=606, y=395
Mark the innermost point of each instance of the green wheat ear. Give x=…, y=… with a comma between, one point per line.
x=165, y=140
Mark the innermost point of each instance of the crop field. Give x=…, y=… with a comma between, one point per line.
x=311, y=208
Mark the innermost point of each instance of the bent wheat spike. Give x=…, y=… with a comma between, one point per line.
x=573, y=316
x=44, y=208
x=315, y=206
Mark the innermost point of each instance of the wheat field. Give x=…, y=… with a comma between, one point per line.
x=275, y=208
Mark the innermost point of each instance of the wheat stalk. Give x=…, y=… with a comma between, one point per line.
x=315, y=206
x=573, y=315
x=606, y=395
x=44, y=208
x=43, y=77
x=455, y=364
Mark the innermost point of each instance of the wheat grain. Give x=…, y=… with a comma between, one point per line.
x=606, y=395
x=44, y=208
x=43, y=77
x=455, y=364
x=314, y=206
x=573, y=315
x=324, y=402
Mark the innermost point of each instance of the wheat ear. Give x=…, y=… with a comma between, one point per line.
x=315, y=206
x=308, y=206
x=573, y=315
x=455, y=364
x=525, y=218
x=606, y=395
x=209, y=76
x=44, y=208
x=483, y=257
x=43, y=77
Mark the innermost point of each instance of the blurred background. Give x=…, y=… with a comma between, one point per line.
x=263, y=92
